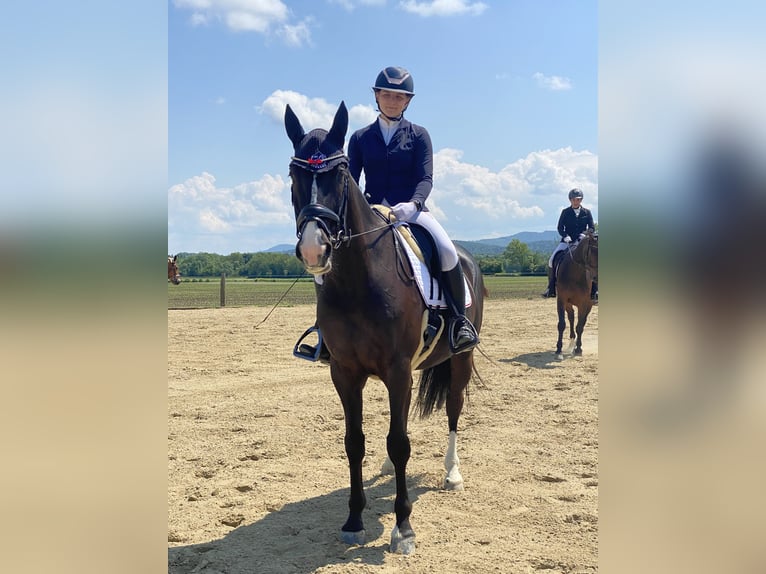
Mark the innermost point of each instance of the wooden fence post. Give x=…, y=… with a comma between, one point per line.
x=223, y=289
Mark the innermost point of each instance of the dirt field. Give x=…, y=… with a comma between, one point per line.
x=257, y=473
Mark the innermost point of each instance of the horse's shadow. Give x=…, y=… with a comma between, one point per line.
x=300, y=537
x=541, y=360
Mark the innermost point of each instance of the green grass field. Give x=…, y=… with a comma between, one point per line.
x=206, y=293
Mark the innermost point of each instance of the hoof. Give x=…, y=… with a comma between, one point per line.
x=577, y=352
x=353, y=538
x=453, y=481
x=402, y=544
x=559, y=356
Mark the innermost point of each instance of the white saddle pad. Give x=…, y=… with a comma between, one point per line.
x=429, y=287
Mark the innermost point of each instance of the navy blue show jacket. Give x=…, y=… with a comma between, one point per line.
x=397, y=172
x=573, y=226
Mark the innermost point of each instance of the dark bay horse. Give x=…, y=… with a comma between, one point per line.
x=174, y=276
x=371, y=315
x=574, y=278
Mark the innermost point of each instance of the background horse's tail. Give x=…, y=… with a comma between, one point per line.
x=434, y=388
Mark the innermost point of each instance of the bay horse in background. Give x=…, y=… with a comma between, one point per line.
x=575, y=272
x=174, y=276
x=372, y=316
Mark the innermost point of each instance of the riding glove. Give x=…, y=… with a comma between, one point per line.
x=405, y=210
x=567, y=239
x=582, y=236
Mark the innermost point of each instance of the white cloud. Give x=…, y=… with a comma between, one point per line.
x=314, y=112
x=242, y=216
x=260, y=16
x=443, y=7
x=471, y=201
x=296, y=35
x=474, y=202
x=555, y=83
x=351, y=4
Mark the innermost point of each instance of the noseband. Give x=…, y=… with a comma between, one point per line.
x=331, y=223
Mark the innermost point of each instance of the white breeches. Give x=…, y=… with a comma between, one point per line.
x=560, y=247
x=447, y=251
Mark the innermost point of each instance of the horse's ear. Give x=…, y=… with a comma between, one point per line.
x=174, y=258
x=293, y=126
x=337, y=134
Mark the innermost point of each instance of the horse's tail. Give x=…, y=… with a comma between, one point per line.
x=434, y=388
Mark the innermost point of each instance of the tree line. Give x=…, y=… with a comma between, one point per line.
x=517, y=258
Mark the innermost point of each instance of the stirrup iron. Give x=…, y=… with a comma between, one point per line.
x=453, y=347
x=306, y=351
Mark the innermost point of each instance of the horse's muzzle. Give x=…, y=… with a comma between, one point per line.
x=314, y=249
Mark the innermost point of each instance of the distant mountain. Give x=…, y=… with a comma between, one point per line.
x=541, y=241
x=281, y=248
x=477, y=248
x=523, y=236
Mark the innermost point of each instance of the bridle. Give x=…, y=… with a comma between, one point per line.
x=334, y=225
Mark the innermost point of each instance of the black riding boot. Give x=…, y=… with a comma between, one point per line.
x=551, y=290
x=594, y=292
x=462, y=334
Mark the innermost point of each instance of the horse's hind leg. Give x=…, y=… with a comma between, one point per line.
x=460, y=375
x=352, y=532
x=571, y=317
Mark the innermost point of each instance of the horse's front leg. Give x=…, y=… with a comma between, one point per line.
x=350, y=392
x=398, y=446
x=561, y=325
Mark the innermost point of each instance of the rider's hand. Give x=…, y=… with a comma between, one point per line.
x=582, y=236
x=567, y=239
x=404, y=211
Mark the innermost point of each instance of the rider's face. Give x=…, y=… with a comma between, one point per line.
x=392, y=103
x=576, y=201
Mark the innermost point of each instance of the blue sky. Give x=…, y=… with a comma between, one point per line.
x=508, y=91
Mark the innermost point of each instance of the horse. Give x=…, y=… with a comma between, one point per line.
x=575, y=273
x=174, y=276
x=371, y=316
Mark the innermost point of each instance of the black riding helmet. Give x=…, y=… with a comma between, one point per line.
x=576, y=192
x=394, y=79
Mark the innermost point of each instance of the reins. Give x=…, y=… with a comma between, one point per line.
x=280, y=299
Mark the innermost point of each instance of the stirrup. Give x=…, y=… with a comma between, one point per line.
x=467, y=345
x=308, y=352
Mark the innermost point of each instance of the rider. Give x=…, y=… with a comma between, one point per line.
x=397, y=159
x=574, y=221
